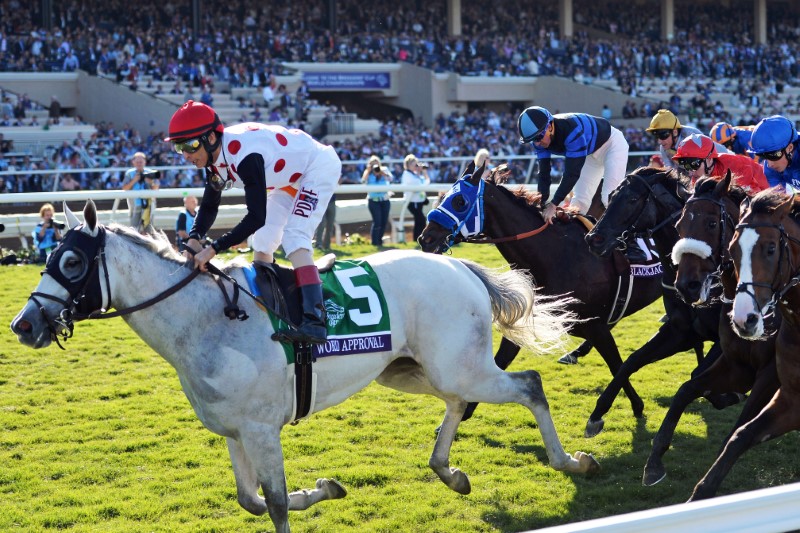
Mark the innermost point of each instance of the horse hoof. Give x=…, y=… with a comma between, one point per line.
x=593, y=428
x=333, y=489
x=587, y=462
x=653, y=475
x=568, y=359
x=459, y=482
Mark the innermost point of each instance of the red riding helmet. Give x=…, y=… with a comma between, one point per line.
x=193, y=119
x=696, y=146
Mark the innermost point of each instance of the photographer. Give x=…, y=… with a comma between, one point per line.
x=141, y=178
x=47, y=233
x=377, y=202
x=415, y=173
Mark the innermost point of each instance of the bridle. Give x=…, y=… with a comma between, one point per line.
x=724, y=261
x=748, y=288
x=652, y=195
x=456, y=234
x=85, y=300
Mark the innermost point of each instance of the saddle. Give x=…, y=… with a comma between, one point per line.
x=280, y=295
x=279, y=292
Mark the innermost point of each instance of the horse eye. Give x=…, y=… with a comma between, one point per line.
x=712, y=224
x=633, y=199
x=459, y=203
x=771, y=248
x=73, y=263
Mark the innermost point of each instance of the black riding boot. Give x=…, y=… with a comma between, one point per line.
x=313, y=328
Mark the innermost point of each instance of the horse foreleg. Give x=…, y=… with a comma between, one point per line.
x=440, y=458
x=326, y=489
x=246, y=479
x=668, y=341
x=505, y=355
x=763, y=389
x=778, y=417
x=535, y=400
x=257, y=455
x=654, y=470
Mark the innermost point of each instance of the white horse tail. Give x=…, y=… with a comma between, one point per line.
x=524, y=317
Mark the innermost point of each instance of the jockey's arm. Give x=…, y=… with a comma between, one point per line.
x=572, y=172
x=543, y=179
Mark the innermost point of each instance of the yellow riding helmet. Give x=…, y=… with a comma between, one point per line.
x=664, y=120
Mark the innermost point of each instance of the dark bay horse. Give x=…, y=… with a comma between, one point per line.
x=766, y=257
x=648, y=203
x=483, y=211
x=706, y=227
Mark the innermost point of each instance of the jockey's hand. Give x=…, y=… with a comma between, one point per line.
x=202, y=257
x=549, y=212
x=194, y=246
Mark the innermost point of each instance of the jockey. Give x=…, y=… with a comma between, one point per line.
x=776, y=142
x=669, y=132
x=594, y=150
x=734, y=138
x=300, y=174
x=698, y=155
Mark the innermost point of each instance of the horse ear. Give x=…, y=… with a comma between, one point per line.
x=723, y=185
x=744, y=206
x=72, y=220
x=90, y=218
x=469, y=170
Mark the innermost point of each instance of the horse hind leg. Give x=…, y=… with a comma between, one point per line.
x=525, y=388
x=246, y=479
x=572, y=357
x=440, y=458
x=325, y=489
x=506, y=353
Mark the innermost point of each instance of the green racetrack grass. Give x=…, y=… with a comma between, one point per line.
x=100, y=437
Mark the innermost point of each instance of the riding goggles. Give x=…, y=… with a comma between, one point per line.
x=539, y=136
x=691, y=164
x=771, y=156
x=662, y=134
x=189, y=146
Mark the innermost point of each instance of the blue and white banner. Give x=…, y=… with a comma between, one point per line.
x=347, y=80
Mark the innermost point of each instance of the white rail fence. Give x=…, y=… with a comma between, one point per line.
x=772, y=510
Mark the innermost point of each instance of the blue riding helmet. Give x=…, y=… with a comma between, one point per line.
x=772, y=134
x=461, y=209
x=532, y=122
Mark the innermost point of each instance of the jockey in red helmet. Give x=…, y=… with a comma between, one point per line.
x=288, y=179
x=697, y=154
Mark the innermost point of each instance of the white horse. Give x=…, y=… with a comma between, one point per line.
x=236, y=378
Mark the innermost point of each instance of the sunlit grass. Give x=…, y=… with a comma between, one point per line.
x=101, y=438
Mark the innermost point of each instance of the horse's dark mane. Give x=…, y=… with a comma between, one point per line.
x=706, y=185
x=501, y=175
x=766, y=201
x=672, y=175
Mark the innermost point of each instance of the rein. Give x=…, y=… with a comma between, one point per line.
x=517, y=237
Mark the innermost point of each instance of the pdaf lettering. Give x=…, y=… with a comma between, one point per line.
x=306, y=202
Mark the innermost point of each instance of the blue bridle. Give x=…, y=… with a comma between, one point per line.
x=461, y=210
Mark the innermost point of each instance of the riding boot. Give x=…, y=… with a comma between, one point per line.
x=634, y=253
x=312, y=328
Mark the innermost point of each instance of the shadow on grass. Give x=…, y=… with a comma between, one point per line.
x=617, y=488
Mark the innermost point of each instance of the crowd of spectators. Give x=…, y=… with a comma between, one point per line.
x=243, y=42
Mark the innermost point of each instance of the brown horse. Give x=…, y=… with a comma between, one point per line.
x=705, y=229
x=766, y=257
x=485, y=211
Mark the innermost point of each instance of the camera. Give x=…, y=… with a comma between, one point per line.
x=423, y=165
x=58, y=225
x=152, y=174
x=376, y=169
x=2, y=228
